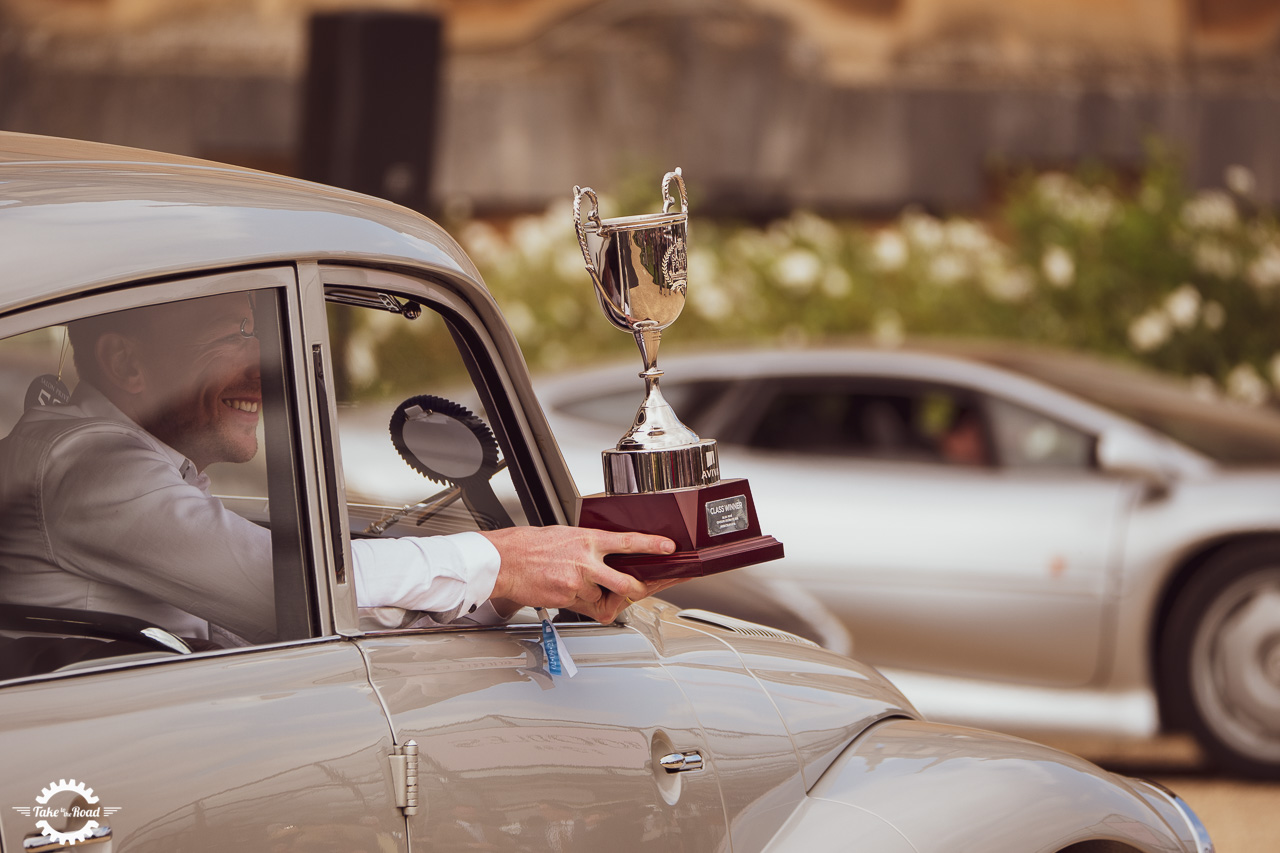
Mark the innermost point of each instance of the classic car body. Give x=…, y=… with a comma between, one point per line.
x=1124, y=581
x=681, y=730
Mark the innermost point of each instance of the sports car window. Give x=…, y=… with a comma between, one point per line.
x=147, y=483
x=1028, y=439
x=880, y=419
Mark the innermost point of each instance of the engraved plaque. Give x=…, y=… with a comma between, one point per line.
x=727, y=515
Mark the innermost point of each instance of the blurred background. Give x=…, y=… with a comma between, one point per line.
x=1097, y=174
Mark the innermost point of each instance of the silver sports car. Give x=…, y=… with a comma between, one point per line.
x=1027, y=540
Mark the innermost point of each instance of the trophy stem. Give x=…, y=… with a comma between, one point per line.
x=648, y=336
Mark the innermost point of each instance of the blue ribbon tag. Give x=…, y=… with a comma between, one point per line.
x=558, y=660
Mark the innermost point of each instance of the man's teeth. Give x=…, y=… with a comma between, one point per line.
x=242, y=405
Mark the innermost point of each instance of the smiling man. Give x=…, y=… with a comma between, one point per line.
x=107, y=503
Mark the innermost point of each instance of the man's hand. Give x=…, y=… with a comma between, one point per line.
x=564, y=567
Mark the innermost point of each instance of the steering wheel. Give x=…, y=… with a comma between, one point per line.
x=446, y=443
x=66, y=621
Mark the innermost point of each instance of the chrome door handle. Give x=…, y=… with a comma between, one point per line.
x=678, y=762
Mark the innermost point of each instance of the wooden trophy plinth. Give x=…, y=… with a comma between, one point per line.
x=714, y=527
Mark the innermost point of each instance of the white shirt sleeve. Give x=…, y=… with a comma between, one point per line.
x=445, y=576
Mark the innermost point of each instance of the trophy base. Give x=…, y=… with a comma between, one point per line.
x=714, y=528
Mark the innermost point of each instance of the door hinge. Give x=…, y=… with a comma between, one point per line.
x=404, y=774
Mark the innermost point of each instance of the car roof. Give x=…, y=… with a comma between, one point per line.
x=75, y=216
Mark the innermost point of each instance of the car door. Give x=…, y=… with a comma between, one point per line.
x=953, y=530
x=510, y=755
x=143, y=745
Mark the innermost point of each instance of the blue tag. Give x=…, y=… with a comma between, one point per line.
x=558, y=660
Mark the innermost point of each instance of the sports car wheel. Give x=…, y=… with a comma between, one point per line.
x=1221, y=659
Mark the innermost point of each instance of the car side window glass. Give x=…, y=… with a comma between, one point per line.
x=147, y=482
x=1026, y=439
x=396, y=377
x=893, y=421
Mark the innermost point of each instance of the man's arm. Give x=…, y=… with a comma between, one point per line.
x=555, y=566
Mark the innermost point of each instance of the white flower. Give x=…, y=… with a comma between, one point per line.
x=1008, y=285
x=533, y=238
x=710, y=300
x=1214, y=257
x=1090, y=209
x=836, y=283
x=1264, y=272
x=1244, y=384
x=1240, y=180
x=380, y=325
x=1074, y=202
x=1183, y=306
x=815, y=230
x=483, y=242
x=889, y=250
x=569, y=263
x=1149, y=331
x=948, y=268
x=887, y=329
x=362, y=361
x=1214, y=315
x=749, y=244
x=966, y=235
x=798, y=270
x=703, y=267
x=923, y=230
x=521, y=319
x=1210, y=210
x=1058, y=266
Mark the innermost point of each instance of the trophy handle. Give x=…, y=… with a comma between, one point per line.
x=593, y=216
x=667, y=200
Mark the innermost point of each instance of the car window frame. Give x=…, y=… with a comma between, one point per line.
x=280, y=277
x=489, y=375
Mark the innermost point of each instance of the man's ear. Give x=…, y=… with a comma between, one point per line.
x=119, y=362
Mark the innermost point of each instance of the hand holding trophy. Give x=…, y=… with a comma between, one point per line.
x=661, y=478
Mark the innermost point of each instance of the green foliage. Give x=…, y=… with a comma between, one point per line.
x=1146, y=270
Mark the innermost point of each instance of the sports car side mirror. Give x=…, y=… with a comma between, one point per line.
x=1127, y=453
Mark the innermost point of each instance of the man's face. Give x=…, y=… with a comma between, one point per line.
x=203, y=385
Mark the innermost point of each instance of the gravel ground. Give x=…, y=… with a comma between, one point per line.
x=1242, y=816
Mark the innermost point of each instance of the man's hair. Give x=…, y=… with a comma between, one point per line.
x=84, y=335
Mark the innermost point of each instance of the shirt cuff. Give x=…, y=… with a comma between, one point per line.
x=444, y=575
x=483, y=560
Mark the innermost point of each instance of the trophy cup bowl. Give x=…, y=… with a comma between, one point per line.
x=661, y=477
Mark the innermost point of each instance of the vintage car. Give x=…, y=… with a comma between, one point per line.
x=681, y=730
x=1022, y=539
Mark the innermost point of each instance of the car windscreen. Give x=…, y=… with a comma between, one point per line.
x=1231, y=434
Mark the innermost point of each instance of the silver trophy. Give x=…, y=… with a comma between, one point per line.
x=639, y=265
